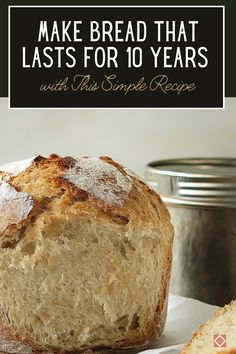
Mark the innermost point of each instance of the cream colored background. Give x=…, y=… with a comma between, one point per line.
x=132, y=137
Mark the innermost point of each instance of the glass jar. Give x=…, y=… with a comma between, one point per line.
x=201, y=197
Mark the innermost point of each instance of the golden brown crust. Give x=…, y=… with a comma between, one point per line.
x=113, y=163
x=50, y=176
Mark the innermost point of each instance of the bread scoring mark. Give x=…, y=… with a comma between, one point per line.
x=75, y=193
x=14, y=206
x=65, y=162
x=101, y=180
x=15, y=168
x=112, y=162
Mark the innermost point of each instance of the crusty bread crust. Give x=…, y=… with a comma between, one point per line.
x=69, y=188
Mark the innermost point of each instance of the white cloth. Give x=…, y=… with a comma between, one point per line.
x=184, y=316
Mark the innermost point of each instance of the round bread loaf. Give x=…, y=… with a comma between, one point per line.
x=85, y=254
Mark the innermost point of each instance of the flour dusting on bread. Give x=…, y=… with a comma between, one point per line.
x=100, y=179
x=14, y=206
x=8, y=345
x=15, y=168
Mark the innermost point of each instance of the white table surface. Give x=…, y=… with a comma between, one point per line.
x=184, y=316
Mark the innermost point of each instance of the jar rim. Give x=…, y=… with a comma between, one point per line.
x=194, y=181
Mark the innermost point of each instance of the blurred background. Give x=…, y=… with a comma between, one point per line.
x=132, y=137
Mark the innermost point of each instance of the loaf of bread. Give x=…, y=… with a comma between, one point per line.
x=218, y=335
x=85, y=254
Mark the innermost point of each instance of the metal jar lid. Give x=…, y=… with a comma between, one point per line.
x=194, y=182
